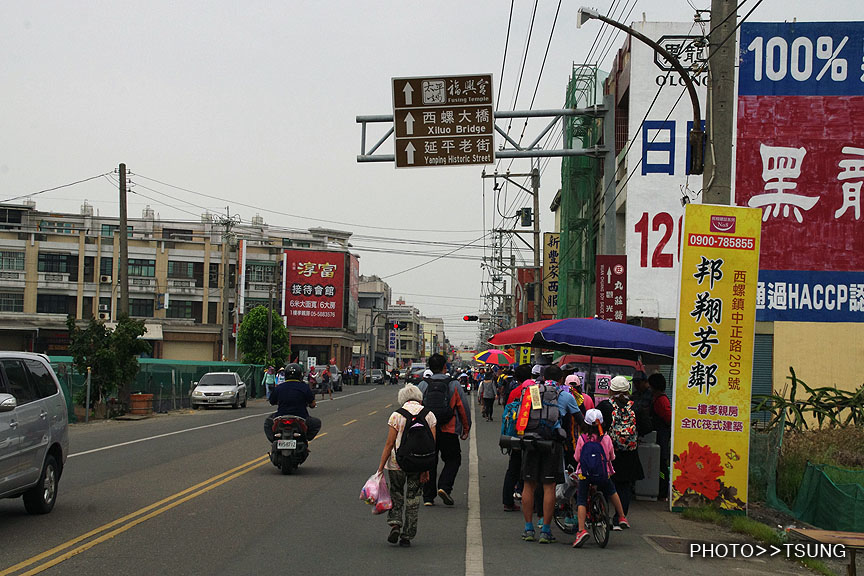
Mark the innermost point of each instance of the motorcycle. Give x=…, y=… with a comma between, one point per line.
x=289, y=446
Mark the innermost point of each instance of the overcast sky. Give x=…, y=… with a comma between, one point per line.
x=255, y=103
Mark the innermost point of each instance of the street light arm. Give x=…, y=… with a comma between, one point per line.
x=697, y=134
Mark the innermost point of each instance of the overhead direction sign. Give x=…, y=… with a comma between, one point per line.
x=443, y=121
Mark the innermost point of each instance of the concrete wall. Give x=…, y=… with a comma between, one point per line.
x=822, y=354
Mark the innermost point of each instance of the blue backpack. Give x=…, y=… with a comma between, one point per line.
x=593, y=461
x=509, y=417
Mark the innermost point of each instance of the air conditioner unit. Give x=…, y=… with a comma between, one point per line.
x=104, y=279
x=104, y=316
x=104, y=308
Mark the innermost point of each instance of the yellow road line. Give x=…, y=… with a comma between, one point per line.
x=388, y=405
x=316, y=437
x=373, y=412
x=349, y=422
x=189, y=494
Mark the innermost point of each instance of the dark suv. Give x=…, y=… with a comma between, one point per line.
x=34, y=430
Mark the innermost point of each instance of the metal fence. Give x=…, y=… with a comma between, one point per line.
x=169, y=381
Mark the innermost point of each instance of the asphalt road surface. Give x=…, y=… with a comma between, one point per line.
x=194, y=493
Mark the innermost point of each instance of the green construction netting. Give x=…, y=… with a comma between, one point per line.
x=170, y=381
x=764, y=454
x=831, y=498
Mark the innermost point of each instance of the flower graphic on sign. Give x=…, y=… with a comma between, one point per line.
x=700, y=470
x=779, y=165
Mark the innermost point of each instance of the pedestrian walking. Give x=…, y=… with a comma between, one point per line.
x=661, y=419
x=486, y=396
x=326, y=388
x=405, y=488
x=513, y=475
x=443, y=396
x=269, y=381
x=623, y=430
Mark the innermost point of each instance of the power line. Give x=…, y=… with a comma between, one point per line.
x=54, y=188
x=504, y=59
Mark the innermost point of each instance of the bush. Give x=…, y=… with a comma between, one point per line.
x=842, y=447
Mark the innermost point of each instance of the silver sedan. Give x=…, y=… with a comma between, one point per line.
x=219, y=389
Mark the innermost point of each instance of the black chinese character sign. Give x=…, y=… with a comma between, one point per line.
x=714, y=356
x=551, y=262
x=443, y=121
x=314, y=288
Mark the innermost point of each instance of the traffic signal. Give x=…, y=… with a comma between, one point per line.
x=470, y=318
x=392, y=325
x=395, y=325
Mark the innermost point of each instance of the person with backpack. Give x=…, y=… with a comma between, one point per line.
x=508, y=428
x=619, y=410
x=408, y=457
x=661, y=419
x=595, y=453
x=486, y=396
x=544, y=407
x=443, y=396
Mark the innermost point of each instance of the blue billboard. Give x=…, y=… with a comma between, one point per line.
x=801, y=59
x=810, y=296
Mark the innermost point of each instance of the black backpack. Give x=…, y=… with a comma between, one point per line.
x=542, y=421
x=437, y=400
x=416, y=452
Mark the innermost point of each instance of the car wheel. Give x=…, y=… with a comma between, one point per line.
x=236, y=403
x=41, y=498
x=196, y=406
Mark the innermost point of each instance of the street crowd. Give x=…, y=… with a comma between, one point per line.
x=557, y=438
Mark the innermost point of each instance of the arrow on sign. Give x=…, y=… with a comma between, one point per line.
x=409, y=152
x=608, y=276
x=408, y=92
x=409, y=124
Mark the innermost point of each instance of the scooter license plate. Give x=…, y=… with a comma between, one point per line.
x=286, y=444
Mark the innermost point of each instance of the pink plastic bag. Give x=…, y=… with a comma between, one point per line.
x=375, y=492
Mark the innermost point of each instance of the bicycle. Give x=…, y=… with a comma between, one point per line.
x=597, y=518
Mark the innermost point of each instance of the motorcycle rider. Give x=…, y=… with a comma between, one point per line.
x=293, y=396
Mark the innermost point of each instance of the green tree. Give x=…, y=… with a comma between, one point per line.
x=111, y=355
x=252, y=338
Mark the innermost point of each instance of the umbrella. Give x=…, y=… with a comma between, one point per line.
x=494, y=356
x=592, y=337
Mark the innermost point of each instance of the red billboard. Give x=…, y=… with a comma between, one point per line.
x=612, y=288
x=314, y=288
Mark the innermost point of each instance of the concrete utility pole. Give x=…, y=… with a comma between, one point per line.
x=123, y=264
x=270, y=327
x=538, y=269
x=228, y=223
x=717, y=179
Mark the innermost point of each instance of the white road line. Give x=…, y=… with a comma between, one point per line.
x=474, y=529
x=191, y=429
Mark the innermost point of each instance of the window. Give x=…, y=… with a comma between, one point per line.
x=176, y=234
x=55, y=304
x=11, y=260
x=141, y=307
x=214, y=275
x=17, y=381
x=10, y=218
x=108, y=230
x=41, y=378
x=56, y=227
x=180, y=309
x=181, y=269
x=140, y=267
x=106, y=266
x=251, y=303
x=11, y=302
x=260, y=273
x=54, y=263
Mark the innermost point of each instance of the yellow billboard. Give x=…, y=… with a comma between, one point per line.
x=714, y=357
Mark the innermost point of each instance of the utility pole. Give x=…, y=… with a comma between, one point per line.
x=270, y=327
x=717, y=178
x=228, y=222
x=538, y=269
x=123, y=264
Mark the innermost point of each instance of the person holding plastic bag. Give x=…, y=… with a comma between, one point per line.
x=405, y=487
x=375, y=493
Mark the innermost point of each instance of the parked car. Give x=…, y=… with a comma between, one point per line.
x=219, y=389
x=375, y=377
x=34, y=430
x=335, y=377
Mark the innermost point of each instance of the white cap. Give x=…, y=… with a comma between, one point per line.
x=427, y=373
x=593, y=416
x=619, y=384
x=536, y=370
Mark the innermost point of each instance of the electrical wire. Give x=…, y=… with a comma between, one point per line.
x=504, y=59
x=54, y=188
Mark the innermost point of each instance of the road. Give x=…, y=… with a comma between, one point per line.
x=193, y=493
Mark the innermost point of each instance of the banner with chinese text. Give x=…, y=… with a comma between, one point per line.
x=805, y=168
x=551, y=248
x=611, y=287
x=715, y=334
x=314, y=288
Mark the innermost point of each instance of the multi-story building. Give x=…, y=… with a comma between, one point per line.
x=57, y=265
x=374, y=302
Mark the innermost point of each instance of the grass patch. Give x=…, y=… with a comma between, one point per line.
x=842, y=447
x=755, y=530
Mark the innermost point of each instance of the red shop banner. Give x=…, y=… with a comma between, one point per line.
x=611, y=296
x=314, y=288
